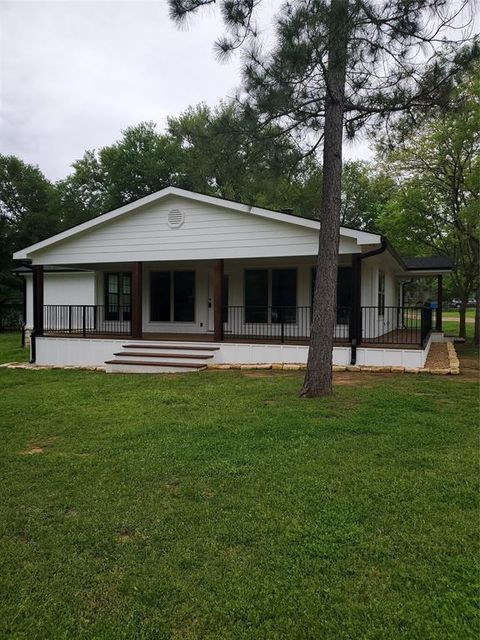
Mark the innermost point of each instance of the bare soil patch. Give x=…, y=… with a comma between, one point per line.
x=31, y=451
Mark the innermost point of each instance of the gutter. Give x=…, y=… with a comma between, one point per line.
x=357, y=268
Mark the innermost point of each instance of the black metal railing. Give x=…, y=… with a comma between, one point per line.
x=395, y=325
x=86, y=320
x=282, y=324
x=370, y=325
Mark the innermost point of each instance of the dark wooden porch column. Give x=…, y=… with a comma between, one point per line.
x=218, y=300
x=137, y=300
x=355, y=325
x=37, y=272
x=438, y=324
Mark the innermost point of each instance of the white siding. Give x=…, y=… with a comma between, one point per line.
x=62, y=288
x=373, y=324
x=208, y=232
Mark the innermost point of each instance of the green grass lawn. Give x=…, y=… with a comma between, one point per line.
x=10, y=348
x=219, y=505
x=451, y=324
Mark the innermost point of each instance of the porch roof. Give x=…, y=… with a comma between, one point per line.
x=429, y=264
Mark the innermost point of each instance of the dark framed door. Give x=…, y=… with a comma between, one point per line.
x=118, y=296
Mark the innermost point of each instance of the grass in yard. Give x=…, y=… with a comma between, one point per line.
x=219, y=505
x=11, y=349
x=451, y=322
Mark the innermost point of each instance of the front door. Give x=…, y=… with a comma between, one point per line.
x=118, y=296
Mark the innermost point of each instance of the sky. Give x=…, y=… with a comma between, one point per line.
x=74, y=74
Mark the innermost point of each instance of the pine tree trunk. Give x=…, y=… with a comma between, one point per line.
x=318, y=377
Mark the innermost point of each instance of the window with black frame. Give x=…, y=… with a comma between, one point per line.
x=184, y=296
x=256, y=295
x=160, y=288
x=271, y=295
x=172, y=296
x=284, y=295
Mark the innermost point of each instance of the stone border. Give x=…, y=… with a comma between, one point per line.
x=46, y=367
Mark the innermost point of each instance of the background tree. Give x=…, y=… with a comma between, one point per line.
x=366, y=191
x=336, y=67
x=437, y=206
x=207, y=150
x=29, y=212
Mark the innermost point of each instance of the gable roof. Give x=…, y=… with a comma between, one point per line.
x=361, y=237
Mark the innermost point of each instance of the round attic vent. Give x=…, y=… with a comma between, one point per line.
x=175, y=218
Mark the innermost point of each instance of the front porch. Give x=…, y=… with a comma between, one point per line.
x=241, y=302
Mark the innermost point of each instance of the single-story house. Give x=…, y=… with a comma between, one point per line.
x=178, y=279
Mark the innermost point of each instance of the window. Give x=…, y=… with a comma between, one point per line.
x=160, y=296
x=117, y=290
x=381, y=293
x=184, y=296
x=275, y=288
x=172, y=296
x=284, y=295
x=256, y=295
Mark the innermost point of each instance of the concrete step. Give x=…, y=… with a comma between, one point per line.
x=151, y=354
x=176, y=347
x=161, y=357
x=143, y=366
x=182, y=359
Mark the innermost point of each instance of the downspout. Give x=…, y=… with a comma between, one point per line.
x=356, y=338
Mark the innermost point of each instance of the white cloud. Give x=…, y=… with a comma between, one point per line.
x=74, y=74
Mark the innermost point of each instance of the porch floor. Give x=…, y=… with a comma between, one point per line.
x=397, y=339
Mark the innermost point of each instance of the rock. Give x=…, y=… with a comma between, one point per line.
x=353, y=367
x=291, y=367
x=440, y=372
x=412, y=370
x=424, y=370
x=218, y=366
x=338, y=367
x=277, y=366
x=454, y=371
x=398, y=369
x=367, y=369
x=262, y=366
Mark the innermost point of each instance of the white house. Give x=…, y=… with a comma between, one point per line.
x=177, y=279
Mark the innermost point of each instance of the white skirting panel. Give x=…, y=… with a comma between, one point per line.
x=85, y=352
x=75, y=351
